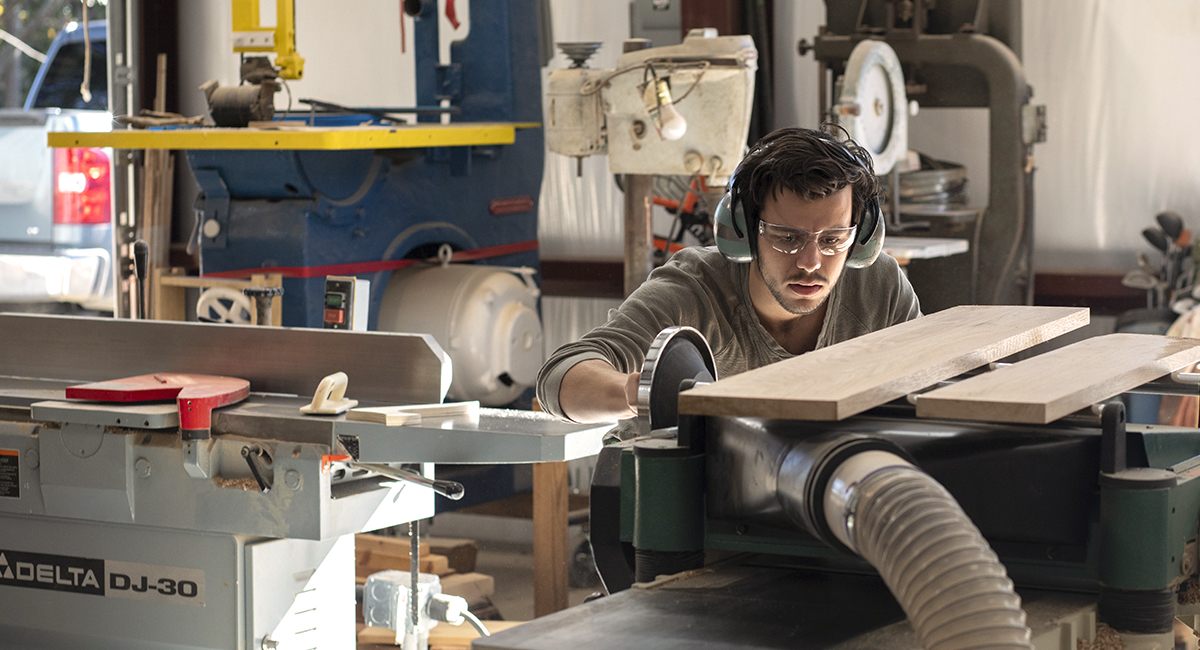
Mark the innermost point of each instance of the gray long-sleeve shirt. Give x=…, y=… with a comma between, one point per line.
x=700, y=288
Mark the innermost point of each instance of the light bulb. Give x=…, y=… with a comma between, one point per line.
x=672, y=126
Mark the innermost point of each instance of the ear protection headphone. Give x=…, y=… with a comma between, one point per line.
x=730, y=225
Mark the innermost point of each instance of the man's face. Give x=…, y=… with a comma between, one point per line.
x=801, y=282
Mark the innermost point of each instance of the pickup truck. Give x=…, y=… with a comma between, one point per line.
x=56, y=233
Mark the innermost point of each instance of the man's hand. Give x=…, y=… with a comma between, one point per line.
x=631, y=386
x=594, y=391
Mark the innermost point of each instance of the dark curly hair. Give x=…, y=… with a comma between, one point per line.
x=812, y=164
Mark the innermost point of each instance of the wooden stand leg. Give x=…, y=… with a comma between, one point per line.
x=549, y=538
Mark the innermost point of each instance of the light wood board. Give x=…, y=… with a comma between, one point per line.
x=550, y=503
x=388, y=544
x=921, y=248
x=441, y=637
x=842, y=380
x=412, y=413
x=475, y=588
x=1042, y=389
x=390, y=416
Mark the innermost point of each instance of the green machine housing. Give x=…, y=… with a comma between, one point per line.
x=1106, y=508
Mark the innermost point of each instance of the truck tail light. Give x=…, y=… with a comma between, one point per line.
x=81, y=188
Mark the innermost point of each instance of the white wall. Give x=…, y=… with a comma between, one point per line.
x=1120, y=83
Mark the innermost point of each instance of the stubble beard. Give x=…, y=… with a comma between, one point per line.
x=777, y=292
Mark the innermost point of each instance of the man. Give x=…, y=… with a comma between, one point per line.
x=803, y=198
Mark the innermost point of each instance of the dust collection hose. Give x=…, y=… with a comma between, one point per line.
x=947, y=579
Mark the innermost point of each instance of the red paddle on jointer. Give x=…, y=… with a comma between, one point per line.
x=197, y=395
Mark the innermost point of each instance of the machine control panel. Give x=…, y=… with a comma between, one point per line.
x=346, y=300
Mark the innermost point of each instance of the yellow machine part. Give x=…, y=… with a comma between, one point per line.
x=250, y=36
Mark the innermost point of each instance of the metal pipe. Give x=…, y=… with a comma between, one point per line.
x=449, y=489
x=639, y=230
x=414, y=573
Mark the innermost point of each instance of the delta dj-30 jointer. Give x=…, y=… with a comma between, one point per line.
x=885, y=493
x=160, y=525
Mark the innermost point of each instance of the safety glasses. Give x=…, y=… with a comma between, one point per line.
x=793, y=240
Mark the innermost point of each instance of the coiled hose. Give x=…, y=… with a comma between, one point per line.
x=943, y=573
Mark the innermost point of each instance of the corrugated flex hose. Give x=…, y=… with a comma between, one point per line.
x=943, y=573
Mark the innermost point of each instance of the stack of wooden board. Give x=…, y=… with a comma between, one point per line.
x=374, y=553
x=394, y=416
x=843, y=380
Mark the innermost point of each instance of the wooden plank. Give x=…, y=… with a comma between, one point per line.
x=1047, y=387
x=267, y=280
x=549, y=538
x=462, y=552
x=371, y=561
x=473, y=587
x=391, y=416
x=160, y=85
x=397, y=545
x=443, y=636
x=459, y=637
x=401, y=414
x=921, y=248
x=153, y=217
x=842, y=380
x=168, y=299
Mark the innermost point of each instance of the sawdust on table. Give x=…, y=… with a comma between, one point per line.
x=236, y=483
x=1106, y=639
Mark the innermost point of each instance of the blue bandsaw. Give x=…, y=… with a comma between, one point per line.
x=303, y=210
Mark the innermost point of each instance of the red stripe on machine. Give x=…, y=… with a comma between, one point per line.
x=511, y=205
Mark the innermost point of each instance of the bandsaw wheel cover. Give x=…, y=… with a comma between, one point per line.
x=874, y=83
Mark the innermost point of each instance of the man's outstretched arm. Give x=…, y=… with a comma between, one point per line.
x=594, y=391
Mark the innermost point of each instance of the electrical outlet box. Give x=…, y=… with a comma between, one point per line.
x=346, y=302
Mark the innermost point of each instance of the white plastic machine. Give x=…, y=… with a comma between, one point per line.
x=484, y=317
x=682, y=109
x=112, y=537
